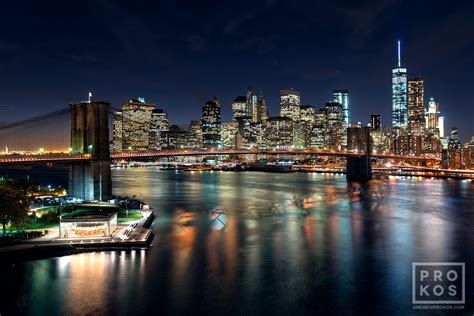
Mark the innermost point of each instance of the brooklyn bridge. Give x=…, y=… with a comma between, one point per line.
x=84, y=129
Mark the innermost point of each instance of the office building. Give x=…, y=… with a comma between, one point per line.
x=454, y=152
x=251, y=104
x=399, y=95
x=432, y=116
x=318, y=133
x=239, y=107
x=279, y=133
x=174, y=138
x=211, y=124
x=229, y=134
x=342, y=97
x=334, y=126
x=416, y=109
x=194, y=135
x=117, y=132
x=375, y=122
x=290, y=101
x=136, y=123
x=159, y=123
x=262, y=111
x=307, y=118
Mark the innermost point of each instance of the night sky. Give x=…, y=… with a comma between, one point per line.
x=179, y=54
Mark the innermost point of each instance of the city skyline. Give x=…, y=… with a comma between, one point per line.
x=236, y=157
x=186, y=71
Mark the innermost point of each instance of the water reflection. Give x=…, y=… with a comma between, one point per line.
x=265, y=243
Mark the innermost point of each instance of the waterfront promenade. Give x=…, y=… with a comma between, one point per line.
x=129, y=235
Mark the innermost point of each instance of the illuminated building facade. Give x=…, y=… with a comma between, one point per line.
x=211, y=124
x=307, y=118
x=159, y=123
x=173, y=138
x=194, y=137
x=431, y=142
x=136, y=124
x=299, y=134
x=117, y=132
x=334, y=126
x=416, y=109
x=290, y=101
x=375, y=122
x=399, y=95
x=455, y=152
x=229, y=134
x=239, y=107
x=432, y=116
x=279, y=132
x=262, y=111
x=318, y=133
x=342, y=97
x=251, y=104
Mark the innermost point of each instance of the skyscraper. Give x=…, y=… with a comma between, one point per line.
x=399, y=95
x=229, y=134
x=136, y=122
x=375, y=122
x=454, y=156
x=416, y=108
x=319, y=131
x=334, y=127
x=211, y=124
x=342, y=97
x=239, y=107
x=159, y=123
x=194, y=137
x=441, y=126
x=432, y=116
x=416, y=115
x=307, y=117
x=279, y=132
x=262, y=112
x=251, y=104
x=290, y=101
x=117, y=132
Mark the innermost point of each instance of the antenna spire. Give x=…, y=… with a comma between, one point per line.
x=399, y=55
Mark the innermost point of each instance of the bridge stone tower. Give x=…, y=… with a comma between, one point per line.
x=360, y=168
x=90, y=135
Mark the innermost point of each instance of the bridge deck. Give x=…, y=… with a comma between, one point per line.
x=8, y=159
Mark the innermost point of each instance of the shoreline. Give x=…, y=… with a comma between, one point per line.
x=41, y=251
x=37, y=250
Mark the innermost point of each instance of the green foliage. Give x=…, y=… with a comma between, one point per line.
x=13, y=203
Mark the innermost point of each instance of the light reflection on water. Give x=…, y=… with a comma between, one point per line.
x=276, y=243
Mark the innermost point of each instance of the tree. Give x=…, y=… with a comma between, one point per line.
x=13, y=203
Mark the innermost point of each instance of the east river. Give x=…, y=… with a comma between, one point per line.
x=261, y=243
